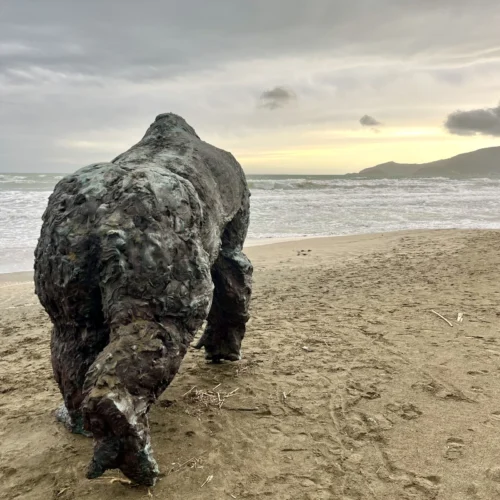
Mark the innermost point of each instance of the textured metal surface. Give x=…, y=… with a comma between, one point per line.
x=125, y=266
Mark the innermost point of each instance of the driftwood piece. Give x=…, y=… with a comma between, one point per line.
x=442, y=317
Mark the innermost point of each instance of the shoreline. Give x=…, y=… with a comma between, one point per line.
x=250, y=243
x=16, y=277
x=27, y=276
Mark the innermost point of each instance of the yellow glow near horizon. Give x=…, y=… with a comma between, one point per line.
x=351, y=151
x=314, y=151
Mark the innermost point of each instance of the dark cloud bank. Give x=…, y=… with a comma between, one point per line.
x=475, y=122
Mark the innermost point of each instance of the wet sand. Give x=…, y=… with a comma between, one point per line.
x=350, y=387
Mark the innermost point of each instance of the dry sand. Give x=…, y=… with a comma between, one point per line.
x=350, y=388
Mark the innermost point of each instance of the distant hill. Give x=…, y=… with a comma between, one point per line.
x=481, y=163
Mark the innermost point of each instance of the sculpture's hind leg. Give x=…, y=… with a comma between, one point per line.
x=74, y=349
x=68, y=288
x=232, y=277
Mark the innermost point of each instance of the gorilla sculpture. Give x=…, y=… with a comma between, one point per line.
x=133, y=256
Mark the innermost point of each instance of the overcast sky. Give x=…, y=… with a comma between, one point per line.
x=321, y=86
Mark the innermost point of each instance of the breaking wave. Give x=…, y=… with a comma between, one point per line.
x=288, y=207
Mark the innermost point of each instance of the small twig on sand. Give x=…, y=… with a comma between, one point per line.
x=193, y=460
x=207, y=480
x=240, y=409
x=120, y=480
x=190, y=390
x=442, y=317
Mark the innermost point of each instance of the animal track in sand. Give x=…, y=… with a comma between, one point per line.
x=406, y=411
x=368, y=391
x=442, y=391
x=454, y=448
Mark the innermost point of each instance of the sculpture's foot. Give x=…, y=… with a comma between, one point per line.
x=218, y=352
x=75, y=424
x=218, y=357
x=121, y=440
x=112, y=453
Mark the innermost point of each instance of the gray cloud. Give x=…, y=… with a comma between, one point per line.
x=475, y=122
x=278, y=97
x=369, y=121
x=151, y=39
x=91, y=73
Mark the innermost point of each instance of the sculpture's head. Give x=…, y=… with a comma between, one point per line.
x=167, y=123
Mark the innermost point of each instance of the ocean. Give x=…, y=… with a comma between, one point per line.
x=288, y=207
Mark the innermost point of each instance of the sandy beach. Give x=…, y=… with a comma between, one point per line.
x=350, y=387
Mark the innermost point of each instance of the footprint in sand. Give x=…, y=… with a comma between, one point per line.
x=368, y=391
x=493, y=474
x=478, y=372
x=406, y=411
x=454, y=448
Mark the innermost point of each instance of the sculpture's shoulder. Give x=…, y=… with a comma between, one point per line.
x=171, y=146
x=170, y=142
x=222, y=166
